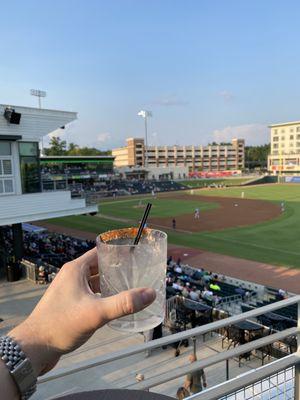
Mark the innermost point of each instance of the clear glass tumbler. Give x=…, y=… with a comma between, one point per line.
x=124, y=266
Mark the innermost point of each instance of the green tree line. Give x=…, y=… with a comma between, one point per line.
x=257, y=156
x=59, y=147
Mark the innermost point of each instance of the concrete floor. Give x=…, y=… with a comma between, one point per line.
x=19, y=298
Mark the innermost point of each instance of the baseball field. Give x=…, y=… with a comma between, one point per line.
x=253, y=227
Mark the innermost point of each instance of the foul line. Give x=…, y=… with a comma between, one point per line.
x=123, y=201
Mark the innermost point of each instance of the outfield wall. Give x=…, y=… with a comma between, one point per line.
x=292, y=179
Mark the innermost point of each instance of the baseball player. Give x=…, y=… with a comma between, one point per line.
x=197, y=213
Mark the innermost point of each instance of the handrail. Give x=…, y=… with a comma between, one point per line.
x=229, y=299
x=129, y=351
x=247, y=379
x=214, y=359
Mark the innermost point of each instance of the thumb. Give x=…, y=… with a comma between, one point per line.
x=124, y=303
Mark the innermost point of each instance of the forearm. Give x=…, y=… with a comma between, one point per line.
x=40, y=356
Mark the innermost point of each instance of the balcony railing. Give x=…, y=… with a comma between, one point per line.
x=230, y=389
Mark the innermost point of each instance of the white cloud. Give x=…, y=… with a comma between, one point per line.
x=226, y=95
x=254, y=134
x=103, y=137
x=170, y=101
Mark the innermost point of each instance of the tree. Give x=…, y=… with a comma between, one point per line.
x=72, y=149
x=57, y=147
x=257, y=156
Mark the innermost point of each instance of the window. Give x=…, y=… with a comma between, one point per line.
x=275, y=139
x=282, y=130
x=291, y=137
x=275, y=131
x=275, y=146
x=5, y=148
x=291, y=144
x=298, y=144
x=298, y=137
x=6, y=176
x=30, y=167
x=282, y=137
x=282, y=144
x=28, y=149
x=291, y=129
x=298, y=129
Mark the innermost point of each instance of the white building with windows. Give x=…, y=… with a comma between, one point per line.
x=285, y=148
x=21, y=196
x=21, y=199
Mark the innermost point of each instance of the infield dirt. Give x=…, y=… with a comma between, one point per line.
x=232, y=212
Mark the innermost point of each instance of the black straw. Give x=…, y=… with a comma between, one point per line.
x=142, y=224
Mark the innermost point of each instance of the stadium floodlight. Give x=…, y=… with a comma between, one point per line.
x=39, y=94
x=145, y=114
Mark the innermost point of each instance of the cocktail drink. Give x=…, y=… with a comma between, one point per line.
x=124, y=266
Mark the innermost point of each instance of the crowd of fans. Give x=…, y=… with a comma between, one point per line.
x=64, y=170
x=198, y=284
x=48, y=251
x=112, y=187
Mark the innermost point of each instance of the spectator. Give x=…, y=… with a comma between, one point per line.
x=169, y=260
x=177, y=285
x=185, y=292
x=193, y=294
x=215, y=287
x=196, y=380
x=207, y=278
x=178, y=269
x=281, y=295
x=207, y=294
x=198, y=274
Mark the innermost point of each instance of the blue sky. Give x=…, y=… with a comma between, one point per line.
x=208, y=70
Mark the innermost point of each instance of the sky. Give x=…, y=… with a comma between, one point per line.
x=208, y=70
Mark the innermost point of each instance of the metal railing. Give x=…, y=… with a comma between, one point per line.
x=236, y=298
x=218, y=391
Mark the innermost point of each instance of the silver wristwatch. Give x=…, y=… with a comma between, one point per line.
x=19, y=366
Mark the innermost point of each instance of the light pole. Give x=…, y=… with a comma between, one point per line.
x=39, y=94
x=145, y=114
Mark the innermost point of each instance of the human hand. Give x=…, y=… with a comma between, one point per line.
x=71, y=310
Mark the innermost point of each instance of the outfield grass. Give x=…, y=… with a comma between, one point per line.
x=162, y=207
x=276, y=242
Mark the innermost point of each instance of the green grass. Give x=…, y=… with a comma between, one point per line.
x=196, y=183
x=162, y=207
x=276, y=242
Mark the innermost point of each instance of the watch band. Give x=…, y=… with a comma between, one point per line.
x=19, y=366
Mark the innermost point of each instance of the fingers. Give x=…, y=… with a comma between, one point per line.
x=124, y=303
x=89, y=262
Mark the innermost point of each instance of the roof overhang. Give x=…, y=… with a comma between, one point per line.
x=35, y=122
x=284, y=124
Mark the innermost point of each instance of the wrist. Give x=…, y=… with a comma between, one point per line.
x=41, y=356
